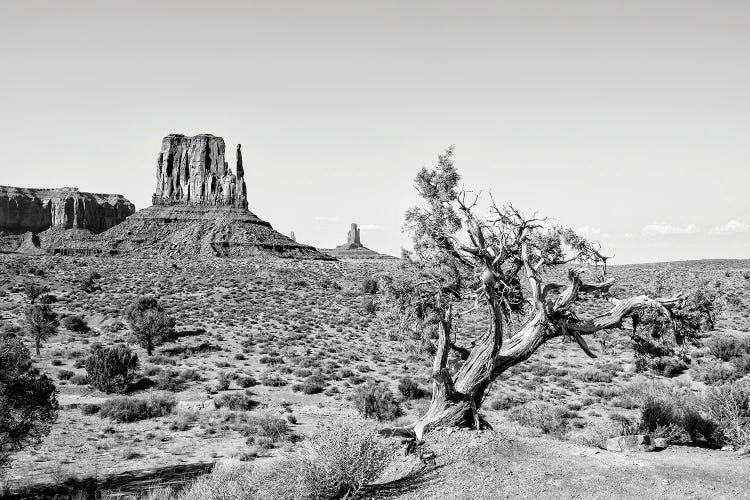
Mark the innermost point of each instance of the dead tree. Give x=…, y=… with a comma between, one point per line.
x=498, y=264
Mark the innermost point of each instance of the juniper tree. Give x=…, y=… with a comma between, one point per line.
x=149, y=323
x=28, y=400
x=499, y=264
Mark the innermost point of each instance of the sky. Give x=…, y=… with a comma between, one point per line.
x=628, y=121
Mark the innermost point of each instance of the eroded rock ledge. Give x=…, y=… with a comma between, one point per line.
x=34, y=210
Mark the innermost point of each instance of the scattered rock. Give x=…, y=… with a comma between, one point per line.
x=660, y=443
x=635, y=442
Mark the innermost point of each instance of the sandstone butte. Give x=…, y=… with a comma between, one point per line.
x=353, y=248
x=199, y=207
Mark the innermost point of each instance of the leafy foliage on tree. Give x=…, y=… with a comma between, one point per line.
x=111, y=369
x=150, y=324
x=28, y=400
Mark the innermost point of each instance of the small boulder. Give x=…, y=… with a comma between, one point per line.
x=209, y=405
x=635, y=442
x=660, y=443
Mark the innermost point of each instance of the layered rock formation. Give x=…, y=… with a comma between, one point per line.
x=193, y=170
x=35, y=210
x=200, y=208
x=353, y=248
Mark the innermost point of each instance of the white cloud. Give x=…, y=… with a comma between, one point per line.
x=661, y=228
x=731, y=227
x=323, y=218
x=588, y=230
x=369, y=227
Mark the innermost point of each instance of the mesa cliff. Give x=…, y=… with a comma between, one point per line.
x=35, y=210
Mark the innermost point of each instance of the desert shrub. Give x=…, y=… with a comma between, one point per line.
x=668, y=366
x=65, y=374
x=263, y=424
x=370, y=286
x=111, y=369
x=595, y=375
x=506, y=402
x=149, y=323
x=375, y=400
x=729, y=405
x=238, y=401
x=549, y=418
x=75, y=324
x=314, y=384
x=28, y=400
x=712, y=371
x=410, y=389
x=741, y=365
x=368, y=305
x=246, y=381
x=132, y=409
x=223, y=381
x=336, y=463
x=90, y=409
x=727, y=347
x=169, y=380
x=272, y=379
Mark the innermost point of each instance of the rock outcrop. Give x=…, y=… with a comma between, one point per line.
x=353, y=248
x=199, y=209
x=34, y=210
x=194, y=171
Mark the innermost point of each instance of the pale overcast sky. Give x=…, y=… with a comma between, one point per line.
x=627, y=120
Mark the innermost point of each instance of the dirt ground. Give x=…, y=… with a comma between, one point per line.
x=279, y=321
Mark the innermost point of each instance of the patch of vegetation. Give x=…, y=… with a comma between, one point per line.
x=132, y=409
x=111, y=369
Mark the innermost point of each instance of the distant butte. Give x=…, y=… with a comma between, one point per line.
x=200, y=209
x=353, y=248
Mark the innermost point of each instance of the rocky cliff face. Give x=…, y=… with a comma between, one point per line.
x=35, y=210
x=193, y=171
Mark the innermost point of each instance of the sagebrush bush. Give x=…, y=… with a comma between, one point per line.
x=111, y=369
x=375, y=400
x=236, y=401
x=75, y=324
x=410, y=389
x=370, y=286
x=729, y=405
x=549, y=418
x=314, y=384
x=131, y=409
x=727, y=347
x=336, y=463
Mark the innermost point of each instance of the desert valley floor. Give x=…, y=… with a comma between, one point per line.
x=292, y=338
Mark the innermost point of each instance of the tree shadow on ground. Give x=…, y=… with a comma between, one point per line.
x=415, y=479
